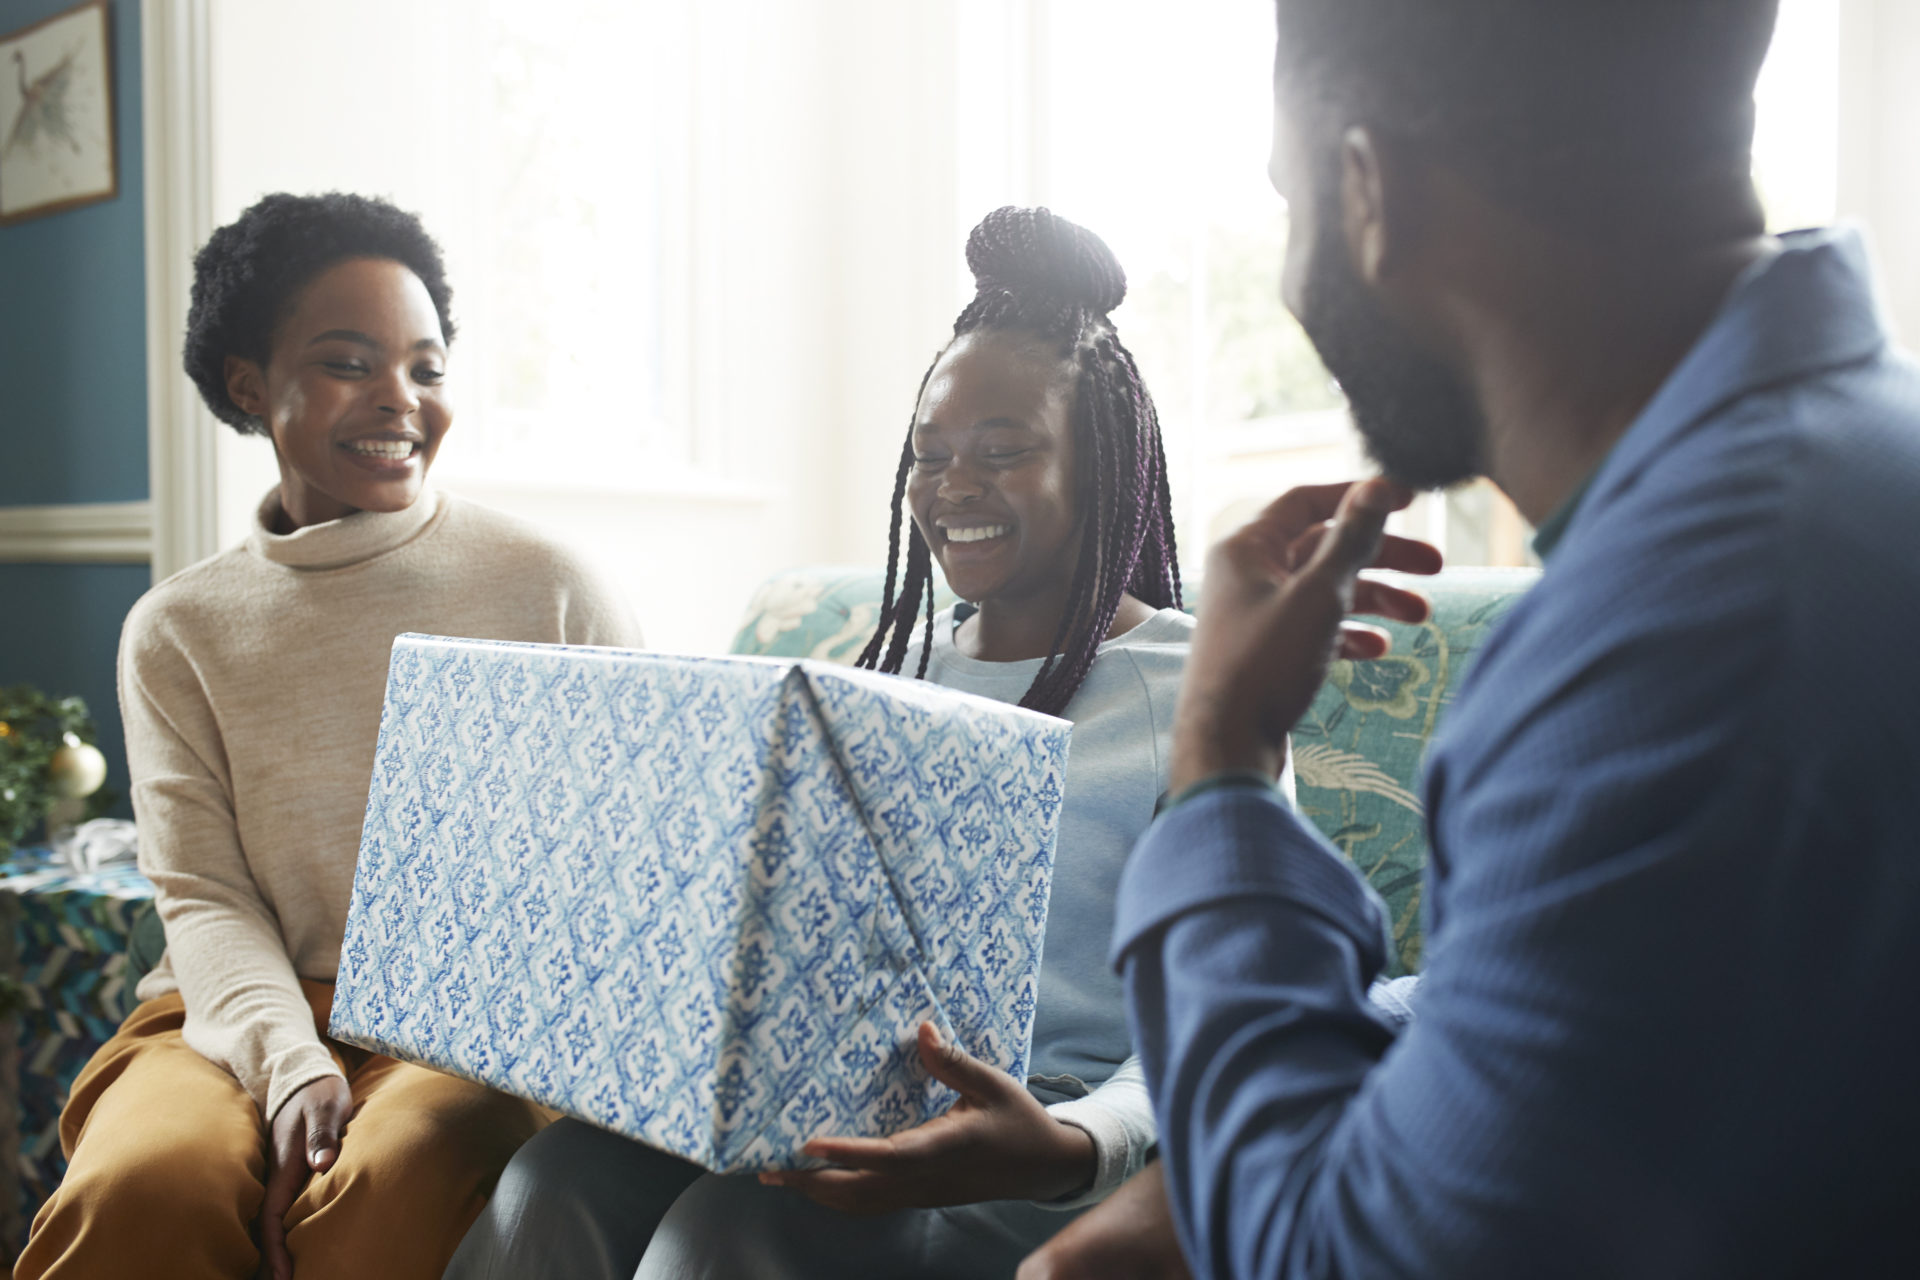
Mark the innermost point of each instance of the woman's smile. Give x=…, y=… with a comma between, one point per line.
x=978, y=533
x=992, y=482
x=384, y=456
x=354, y=394
x=961, y=545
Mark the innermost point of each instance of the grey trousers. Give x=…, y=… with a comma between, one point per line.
x=580, y=1203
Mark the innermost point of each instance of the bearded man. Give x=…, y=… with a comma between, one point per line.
x=1674, y=889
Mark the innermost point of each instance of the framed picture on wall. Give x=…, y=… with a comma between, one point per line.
x=56, y=115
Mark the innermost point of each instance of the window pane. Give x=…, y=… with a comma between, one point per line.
x=569, y=240
x=1797, y=136
x=1152, y=123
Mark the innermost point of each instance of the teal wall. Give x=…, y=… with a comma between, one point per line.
x=73, y=403
x=59, y=631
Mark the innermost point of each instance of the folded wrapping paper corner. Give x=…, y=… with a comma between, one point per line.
x=701, y=902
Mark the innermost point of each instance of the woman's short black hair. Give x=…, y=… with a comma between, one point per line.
x=247, y=275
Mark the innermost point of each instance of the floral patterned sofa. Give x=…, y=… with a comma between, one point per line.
x=1356, y=754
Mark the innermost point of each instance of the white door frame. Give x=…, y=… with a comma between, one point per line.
x=177, y=146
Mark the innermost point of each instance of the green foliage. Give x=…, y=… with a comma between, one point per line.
x=1259, y=362
x=1263, y=362
x=33, y=727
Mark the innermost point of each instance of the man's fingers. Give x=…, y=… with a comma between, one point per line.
x=1384, y=600
x=1398, y=554
x=1130, y=1235
x=1408, y=555
x=1056, y=1261
x=1356, y=535
x=1358, y=642
x=1300, y=508
x=1287, y=529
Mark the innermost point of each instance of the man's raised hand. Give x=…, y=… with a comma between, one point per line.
x=1274, y=614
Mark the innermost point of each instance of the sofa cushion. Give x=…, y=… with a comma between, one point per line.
x=1357, y=752
x=825, y=612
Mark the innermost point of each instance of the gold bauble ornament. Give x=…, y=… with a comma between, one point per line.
x=77, y=769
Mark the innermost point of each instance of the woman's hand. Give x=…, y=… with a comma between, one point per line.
x=306, y=1139
x=1127, y=1236
x=996, y=1143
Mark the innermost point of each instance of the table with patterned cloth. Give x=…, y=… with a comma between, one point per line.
x=65, y=939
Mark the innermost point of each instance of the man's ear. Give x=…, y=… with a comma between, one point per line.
x=246, y=386
x=1372, y=193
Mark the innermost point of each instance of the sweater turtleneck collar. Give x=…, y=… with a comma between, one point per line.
x=336, y=544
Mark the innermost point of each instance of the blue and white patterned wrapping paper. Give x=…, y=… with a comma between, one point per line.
x=701, y=902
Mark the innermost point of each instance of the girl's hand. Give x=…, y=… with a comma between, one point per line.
x=996, y=1143
x=306, y=1139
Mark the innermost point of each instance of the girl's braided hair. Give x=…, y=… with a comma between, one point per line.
x=1037, y=273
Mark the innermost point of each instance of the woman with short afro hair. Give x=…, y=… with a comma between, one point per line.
x=220, y=1133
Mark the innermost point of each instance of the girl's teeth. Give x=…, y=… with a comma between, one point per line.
x=395, y=449
x=978, y=535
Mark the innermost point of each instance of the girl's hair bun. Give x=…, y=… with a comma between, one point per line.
x=1035, y=253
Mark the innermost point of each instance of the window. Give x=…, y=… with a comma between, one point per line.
x=568, y=225
x=611, y=182
x=702, y=251
x=1149, y=123
x=1796, y=144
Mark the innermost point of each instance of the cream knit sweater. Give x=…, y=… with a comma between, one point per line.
x=251, y=687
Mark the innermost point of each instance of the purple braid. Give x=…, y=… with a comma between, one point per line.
x=872, y=651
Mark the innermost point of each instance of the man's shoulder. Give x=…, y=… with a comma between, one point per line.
x=1853, y=471
x=1736, y=557
x=1820, y=471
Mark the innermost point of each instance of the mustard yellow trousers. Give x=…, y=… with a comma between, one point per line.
x=167, y=1162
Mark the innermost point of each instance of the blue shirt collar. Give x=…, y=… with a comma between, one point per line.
x=1808, y=307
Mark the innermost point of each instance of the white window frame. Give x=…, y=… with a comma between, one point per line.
x=193, y=472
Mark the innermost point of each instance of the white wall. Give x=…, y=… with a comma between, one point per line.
x=827, y=277
x=898, y=241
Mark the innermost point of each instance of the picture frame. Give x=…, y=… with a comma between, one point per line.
x=57, y=144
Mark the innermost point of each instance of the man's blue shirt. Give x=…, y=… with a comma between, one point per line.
x=1674, y=886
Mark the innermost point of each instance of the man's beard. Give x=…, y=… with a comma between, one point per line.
x=1420, y=420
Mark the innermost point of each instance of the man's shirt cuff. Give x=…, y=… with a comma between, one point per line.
x=1227, y=779
x=1238, y=841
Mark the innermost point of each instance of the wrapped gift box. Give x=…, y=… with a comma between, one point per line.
x=702, y=902
x=64, y=938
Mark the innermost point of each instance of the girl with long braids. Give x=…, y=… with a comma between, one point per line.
x=1034, y=476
